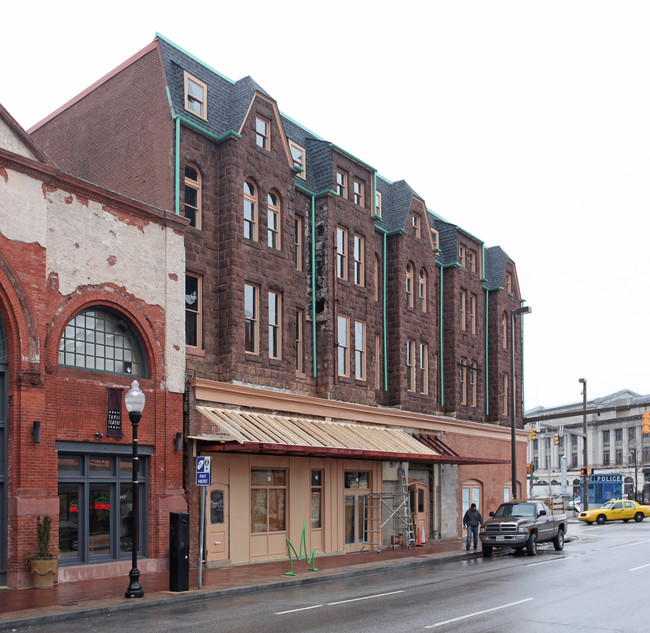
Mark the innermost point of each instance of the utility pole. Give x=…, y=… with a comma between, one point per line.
x=585, y=459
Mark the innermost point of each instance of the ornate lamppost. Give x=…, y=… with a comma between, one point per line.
x=134, y=401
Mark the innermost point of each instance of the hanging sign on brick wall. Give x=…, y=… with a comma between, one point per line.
x=114, y=422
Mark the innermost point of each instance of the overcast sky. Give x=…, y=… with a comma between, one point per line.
x=525, y=123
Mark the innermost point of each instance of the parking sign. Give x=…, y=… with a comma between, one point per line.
x=203, y=470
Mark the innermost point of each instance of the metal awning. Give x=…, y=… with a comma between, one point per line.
x=234, y=430
x=245, y=431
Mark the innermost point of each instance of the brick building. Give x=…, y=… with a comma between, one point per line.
x=91, y=285
x=325, y=307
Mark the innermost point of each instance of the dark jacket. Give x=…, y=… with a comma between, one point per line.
x=472, y=518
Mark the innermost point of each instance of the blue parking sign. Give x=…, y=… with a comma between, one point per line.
x=203, y=470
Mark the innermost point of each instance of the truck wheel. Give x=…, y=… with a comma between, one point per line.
x=600, y=519
x=638, y=517
x=487, y=551
x=558, y=541
x=531, y=544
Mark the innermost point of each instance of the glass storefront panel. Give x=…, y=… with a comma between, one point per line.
x=68, y=521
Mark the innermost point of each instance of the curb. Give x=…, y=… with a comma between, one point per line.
x=195, y=595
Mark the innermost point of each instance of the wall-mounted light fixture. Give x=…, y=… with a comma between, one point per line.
x=36, y=431
x=178, y=441
x=98, y=436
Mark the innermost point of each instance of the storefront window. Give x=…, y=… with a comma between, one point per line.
x=95, y=507
x=357, y=479
x=268, y=500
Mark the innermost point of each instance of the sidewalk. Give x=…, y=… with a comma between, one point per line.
x=24, y=607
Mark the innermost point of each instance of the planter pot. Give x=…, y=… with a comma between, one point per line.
x=43, y=572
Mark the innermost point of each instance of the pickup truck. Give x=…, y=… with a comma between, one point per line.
x=523, y=523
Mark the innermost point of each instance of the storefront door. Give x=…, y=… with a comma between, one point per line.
x=357, y=488
x=216, y=523
x=419, y=504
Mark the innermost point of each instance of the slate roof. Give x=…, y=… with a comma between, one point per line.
x=495, y=266
x=447, y=239
x=227, y=104
x=227, y=101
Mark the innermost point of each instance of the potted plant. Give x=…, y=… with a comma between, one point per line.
x=44, y=561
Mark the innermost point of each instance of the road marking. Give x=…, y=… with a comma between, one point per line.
x=545, y=562
x=378, y=595
x=641, y=567
x=330, y=604
x=473, y=615
x=316, y=606
x=635, y=543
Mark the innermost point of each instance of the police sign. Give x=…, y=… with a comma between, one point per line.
x=203, y=470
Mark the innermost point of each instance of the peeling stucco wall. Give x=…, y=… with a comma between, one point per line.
x=89, y=244
x=10, y=142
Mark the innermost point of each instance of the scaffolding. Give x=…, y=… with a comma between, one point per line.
x=389, y=508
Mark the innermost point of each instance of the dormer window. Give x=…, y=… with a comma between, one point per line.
x=196, y=93
x=342, y=184
x=471, y=260
x=415, y=219
x=262, y=132
x=461, y=255
x=298, y=157
x=358, y=188
x=436, y=238
x=378, y=204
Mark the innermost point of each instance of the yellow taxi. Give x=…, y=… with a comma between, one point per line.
x=616, y=510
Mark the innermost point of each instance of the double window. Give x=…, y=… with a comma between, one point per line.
x=192, y=196
x=359, y=260
x=250, y=211
x=196, y=96
x=251, y=319
x=422, y=289
x=99, y=339
x=273, y=215
x=342, y=184
x=298, y=227
x=410, y=365
x=359, y=350
x=341, y=252
x=262, y=132
x=343, y=345
x=358, y=192
x=193, y=329
x=468, y=382
x=300, y=345
x=409, y=285
x=275, y=324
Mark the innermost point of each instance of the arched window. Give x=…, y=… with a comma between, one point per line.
x=422, y=289
x=273, y=203
x=98, y=339
x=192, y=202
x=250, y=211
x=409, y=285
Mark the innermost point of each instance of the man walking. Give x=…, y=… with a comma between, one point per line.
x=471, y=522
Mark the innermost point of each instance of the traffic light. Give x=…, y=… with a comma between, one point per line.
x=556, y=438
x=533, y=433
x=583, y=471
x=586, y=471
x=646, y=422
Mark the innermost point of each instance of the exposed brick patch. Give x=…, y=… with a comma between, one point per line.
x=68, y=199
x=3, y=173
x=112, y=260
x=47, y=189
x=82, y=200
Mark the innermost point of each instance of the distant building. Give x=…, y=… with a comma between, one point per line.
x=617, y=450
x=336, y=328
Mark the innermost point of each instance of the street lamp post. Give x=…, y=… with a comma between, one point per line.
x=134, y=401
x=585, y=458
x=513, y=389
